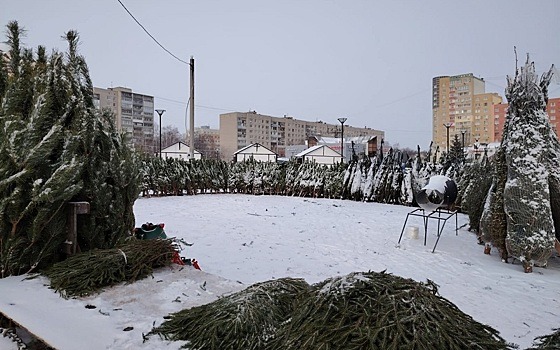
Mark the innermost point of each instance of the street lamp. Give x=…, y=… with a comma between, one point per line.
x=342, y=121
x=463, y=138
x=447, y=126
x=160, y=112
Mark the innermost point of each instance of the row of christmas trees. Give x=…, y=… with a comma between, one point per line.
x=390, y=178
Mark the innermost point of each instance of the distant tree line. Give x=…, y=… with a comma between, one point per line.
x=390, y=178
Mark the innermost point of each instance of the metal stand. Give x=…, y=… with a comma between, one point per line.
x=439, y=215
x=74, y=208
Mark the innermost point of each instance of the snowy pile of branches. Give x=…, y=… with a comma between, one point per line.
x=87, y=273
x=244, y=320
x=547, y=342
x=363, y=310
x=55, y=148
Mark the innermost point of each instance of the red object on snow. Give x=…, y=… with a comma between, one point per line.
x=177, y=259
x=195, y=264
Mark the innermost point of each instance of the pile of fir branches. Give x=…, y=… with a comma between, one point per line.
x=87, y=273
x=363, y=310
x=547, y=342
x=244, y=320
x=370, y=310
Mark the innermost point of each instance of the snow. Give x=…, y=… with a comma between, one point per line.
x=437, y=182
x=242, y=239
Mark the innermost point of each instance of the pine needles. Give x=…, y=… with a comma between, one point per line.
x=548, y=342
x=55, y=148
x=381, y=311
x=360, y=311
x=243, y=320
x=87, y=273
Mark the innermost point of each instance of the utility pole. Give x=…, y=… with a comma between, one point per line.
x=191, y=121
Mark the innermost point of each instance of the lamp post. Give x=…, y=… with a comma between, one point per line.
x=463, y=138
x=447, y=126
x=191, y=117
x=342, y=121
x=160, y=112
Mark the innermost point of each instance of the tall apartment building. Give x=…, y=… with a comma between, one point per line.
x=460, y=104
x=483, y=126
x=500, y=112
x=239, y=129
x=134, y=114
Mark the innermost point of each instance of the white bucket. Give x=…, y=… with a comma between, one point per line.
x=412, y=232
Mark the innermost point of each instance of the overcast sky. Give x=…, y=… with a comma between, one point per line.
x=370, y=61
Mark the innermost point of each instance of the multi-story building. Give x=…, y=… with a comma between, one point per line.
x=482, y=127
x=239, y=129
x=500, y=113
x=461, y=107
x=134, y=114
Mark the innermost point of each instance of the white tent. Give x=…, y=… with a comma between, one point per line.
x=179, y=150
x=255, y=151
x=321, y=154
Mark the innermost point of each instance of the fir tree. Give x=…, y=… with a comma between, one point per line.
x=406, y=194
x=56, y=148
x=454, y=161
x=526, y=174
x=473, y=189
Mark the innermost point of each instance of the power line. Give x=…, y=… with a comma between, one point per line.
x=501, y=87
x=151, y=36
x=198, y=106
x=402, y=98
x=417, y=131
x=170, y=100
x=216, y=108
x=366, y=106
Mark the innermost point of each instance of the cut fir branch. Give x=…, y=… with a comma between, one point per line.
x=87, y=273
x=360, y=311
x=244, y=320
x=369, y=310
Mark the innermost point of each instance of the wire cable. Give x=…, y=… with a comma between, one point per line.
x=151, y=36
x=196, y=105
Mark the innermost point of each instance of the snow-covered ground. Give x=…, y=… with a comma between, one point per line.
x=241, y=239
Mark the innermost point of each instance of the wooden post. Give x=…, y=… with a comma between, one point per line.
x=74, y=208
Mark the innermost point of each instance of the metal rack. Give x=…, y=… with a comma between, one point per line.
x=439, y=215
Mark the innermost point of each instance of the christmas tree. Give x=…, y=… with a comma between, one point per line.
x=521, y=212
x=55, y=148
